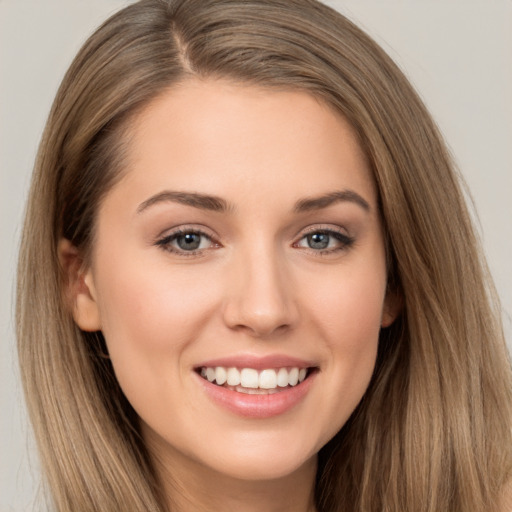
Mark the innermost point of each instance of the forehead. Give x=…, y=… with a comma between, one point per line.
x=220, y=137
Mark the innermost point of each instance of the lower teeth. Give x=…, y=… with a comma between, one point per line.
x=253, y=391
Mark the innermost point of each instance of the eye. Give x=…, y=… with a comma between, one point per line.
x=186, y=242
x=325, y=241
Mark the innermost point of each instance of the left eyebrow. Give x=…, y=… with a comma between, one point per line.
x=317, y=203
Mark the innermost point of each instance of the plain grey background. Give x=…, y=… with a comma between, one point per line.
x=458, y=53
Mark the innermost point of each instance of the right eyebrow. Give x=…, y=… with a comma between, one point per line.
x=201, y=201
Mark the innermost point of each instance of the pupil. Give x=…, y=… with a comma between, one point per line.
x=189, y=241
x=318, y=241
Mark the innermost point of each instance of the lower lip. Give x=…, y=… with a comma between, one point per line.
x=258, y=406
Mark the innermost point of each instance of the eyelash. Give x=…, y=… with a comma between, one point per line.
x=343, y=239
x=166, y=241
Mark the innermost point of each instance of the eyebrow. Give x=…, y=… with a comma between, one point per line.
x=217, y=204
x=325, y=200
x=202, y=201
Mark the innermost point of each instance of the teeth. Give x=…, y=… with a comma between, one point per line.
x=293, y=376
x=233, y=377
x=248, y=379
x=268, y=379
x=210, y=374
x=282, y=377
x=221, y=375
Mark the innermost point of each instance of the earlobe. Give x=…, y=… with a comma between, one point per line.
x=392, y=308
x=78, y=288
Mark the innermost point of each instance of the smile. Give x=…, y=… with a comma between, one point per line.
x=253, y=381
x=257, y=387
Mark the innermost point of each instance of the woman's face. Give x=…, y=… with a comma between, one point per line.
x=242, y=243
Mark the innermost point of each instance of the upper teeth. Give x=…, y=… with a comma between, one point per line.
x=251, y=378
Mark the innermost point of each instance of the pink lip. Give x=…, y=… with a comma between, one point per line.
x=258, y=363
x=257, y=406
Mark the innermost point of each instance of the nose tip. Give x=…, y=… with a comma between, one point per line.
x=261, y=302
x=258, y=323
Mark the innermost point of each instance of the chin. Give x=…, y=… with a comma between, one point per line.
x=255, y=469
x=263, y=457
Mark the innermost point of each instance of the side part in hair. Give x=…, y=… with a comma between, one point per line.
x=433, y=432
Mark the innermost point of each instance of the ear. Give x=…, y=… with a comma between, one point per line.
x=79, y=291
x=392, y=308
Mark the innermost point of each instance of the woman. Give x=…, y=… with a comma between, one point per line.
x=245, y=294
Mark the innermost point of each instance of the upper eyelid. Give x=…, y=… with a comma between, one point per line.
x=326, y=227
x=340, y=235
x=186, y=228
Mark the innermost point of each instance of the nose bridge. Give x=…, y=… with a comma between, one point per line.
x=261, y=299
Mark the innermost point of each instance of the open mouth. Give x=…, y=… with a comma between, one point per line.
x=255, y=382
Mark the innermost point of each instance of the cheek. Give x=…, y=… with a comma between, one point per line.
x=351, y=313
x=149, y=317
x=349, y=319
x=152, y=307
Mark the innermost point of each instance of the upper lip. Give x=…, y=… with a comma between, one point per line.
x=257, y=362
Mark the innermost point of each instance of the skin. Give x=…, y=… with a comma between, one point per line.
x=254, y=287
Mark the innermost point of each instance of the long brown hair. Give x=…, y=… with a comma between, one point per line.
x=433, y=431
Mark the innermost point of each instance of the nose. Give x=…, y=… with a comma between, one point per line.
x=261, y=299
